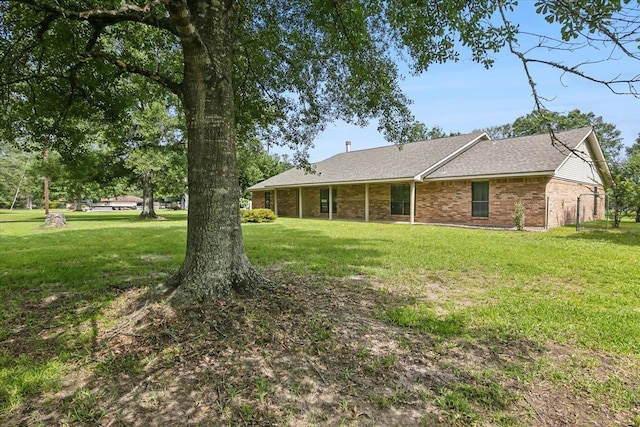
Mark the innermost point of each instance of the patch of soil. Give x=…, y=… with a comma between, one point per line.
x=308, y=352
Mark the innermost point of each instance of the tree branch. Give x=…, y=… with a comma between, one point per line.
x=173, y=86
x=540, y=109
x=105, y=17
x=181, y=21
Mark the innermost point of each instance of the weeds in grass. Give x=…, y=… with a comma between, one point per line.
x=84, y=406
x=263, y=388
x=117, y=364
x=320, y=330
x=246, y=412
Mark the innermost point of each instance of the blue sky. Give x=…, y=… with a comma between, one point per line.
x=463, y=96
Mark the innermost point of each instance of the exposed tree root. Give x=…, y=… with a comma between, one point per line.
x=193, y=288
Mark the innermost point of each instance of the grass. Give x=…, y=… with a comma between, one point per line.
x=566, y=300
x=562, y=285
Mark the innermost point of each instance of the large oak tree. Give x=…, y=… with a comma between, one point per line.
x=276, y=69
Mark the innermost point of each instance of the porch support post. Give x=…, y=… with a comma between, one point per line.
x=299, y=202
x=330, y=203
x=366, y=202
x=275, y=201
x=412, y=204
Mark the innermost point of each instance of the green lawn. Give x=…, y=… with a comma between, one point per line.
x=571, y=287
x=459, y=286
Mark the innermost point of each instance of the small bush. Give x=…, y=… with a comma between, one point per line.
x=518, y=216
x=258, y=215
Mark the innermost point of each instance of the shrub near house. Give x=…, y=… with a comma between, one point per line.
x=258, y=215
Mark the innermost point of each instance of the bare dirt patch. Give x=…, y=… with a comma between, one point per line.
x=314, y=352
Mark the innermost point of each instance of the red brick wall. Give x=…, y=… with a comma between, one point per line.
x=311, y=203
x=257, y=200
x=450, y=202
x=380, y=203
x=563, y=197
x=287, y=202
x=350, y=202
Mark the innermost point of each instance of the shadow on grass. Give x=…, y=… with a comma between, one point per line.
x=266, y=361
x=56, y=287
x=315, y=251
x=627, y=237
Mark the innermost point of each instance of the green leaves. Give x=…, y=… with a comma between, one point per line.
x=578, y=16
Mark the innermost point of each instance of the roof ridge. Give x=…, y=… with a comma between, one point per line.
x=403, y=145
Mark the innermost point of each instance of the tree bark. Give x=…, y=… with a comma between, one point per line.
x=46, y=183
x=147, y=197
x=215, y=263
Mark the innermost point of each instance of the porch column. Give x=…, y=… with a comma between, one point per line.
x=366, y=202
x=299, y=202
x=275, y=201
x=330, y=203
x=412, y=204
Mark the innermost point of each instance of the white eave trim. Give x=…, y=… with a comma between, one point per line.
x=421, y=175
x=324, y=184
x=493, y=176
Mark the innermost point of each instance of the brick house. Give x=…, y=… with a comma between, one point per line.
x=465, y=179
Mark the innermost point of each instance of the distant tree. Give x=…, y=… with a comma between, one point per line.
x=635, y=148
x=89, y=152
x=16, y=177
x=155, y=144
x=621, y=194
x=498, y=131
x=256, y=164
x=632, y=174
x=420, y=132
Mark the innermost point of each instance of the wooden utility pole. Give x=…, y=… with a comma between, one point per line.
x=46, y=182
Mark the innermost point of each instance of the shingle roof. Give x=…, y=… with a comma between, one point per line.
x=376, y=164
x=522, y=155
x=462, y=156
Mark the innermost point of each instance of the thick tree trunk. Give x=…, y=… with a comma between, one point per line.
x=215, y=264
x=147, y=196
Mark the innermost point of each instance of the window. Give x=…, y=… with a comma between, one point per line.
x=324, y=200
x=401, y=199
x=480, y=199
x=267, y=199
